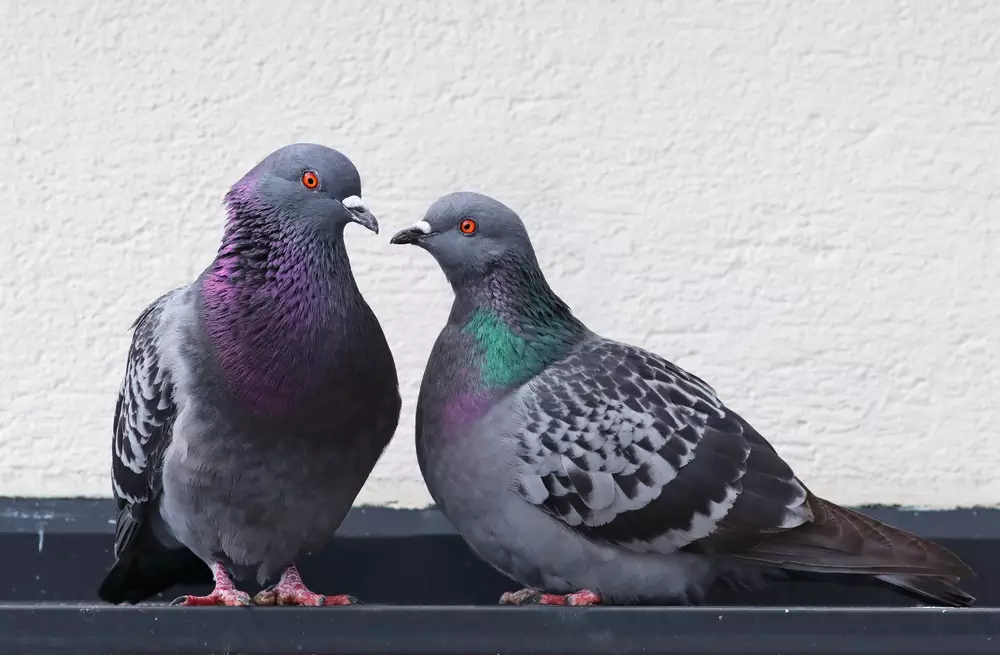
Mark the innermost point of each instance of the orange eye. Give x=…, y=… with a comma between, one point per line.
x=467, y=226
x=310, y=180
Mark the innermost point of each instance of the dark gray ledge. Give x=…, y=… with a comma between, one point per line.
x=426, y=593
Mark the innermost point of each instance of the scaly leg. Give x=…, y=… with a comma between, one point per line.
x=290, y=590
x=536, y=597
x=225, y=592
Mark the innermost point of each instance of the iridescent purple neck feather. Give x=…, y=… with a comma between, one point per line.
x=271, y=304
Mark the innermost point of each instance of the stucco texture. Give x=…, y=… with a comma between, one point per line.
x=797, y=201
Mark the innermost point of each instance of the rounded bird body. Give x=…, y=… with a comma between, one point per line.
x=591, y=470
x=475, y=465
x=257, y=399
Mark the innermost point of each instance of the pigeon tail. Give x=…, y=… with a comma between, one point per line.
x=939, y=591
x=135, y=579
x=839, y=540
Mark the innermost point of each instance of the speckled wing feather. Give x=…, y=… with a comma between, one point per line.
x=628, y=448
x=142, y=426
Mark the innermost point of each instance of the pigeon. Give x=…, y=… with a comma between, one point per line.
x=256, y=400
x=593, y=471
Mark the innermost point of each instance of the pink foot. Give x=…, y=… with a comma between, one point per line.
x=536, y=597
x=290, y=590
x=225, y=593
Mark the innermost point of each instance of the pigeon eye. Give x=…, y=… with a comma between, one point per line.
x=310, y=180
x=467, y=226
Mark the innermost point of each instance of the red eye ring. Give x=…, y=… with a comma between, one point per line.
x=310, y=180
x=467, y=226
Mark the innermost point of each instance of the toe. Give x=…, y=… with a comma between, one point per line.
x=340, y=601
x=197, y=601
x=309, y=599
x=520, y=597
x=582, y=598
x=301, y=598
x=239, y=599
x=550, y=599
x=266, y=597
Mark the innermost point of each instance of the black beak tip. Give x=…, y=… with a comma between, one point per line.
x=358, y=213
x=367, y=221
x=409, y=235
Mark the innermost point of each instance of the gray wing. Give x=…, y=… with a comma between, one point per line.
x=143, y=422
x=627, y=448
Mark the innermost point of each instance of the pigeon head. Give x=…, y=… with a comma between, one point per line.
x=470, y=235
x=305, y=186
x=500, y=292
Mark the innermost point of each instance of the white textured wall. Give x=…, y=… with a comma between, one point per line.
x=797, y=201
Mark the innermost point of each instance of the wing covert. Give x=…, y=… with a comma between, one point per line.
x=627, y=448
x=143, y=421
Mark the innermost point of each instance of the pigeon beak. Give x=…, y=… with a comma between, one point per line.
x=412, y=234
x=359, y=213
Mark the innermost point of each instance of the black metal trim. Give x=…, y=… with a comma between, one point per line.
x=85, y=630
x=96, y=516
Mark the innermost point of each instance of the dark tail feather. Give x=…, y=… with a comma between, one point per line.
x=116, y=588
x=938, y=590
x=839, y=540
x=135, y=578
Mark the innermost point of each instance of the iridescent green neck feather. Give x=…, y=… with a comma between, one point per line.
x=521, y=328
x=507, y=358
